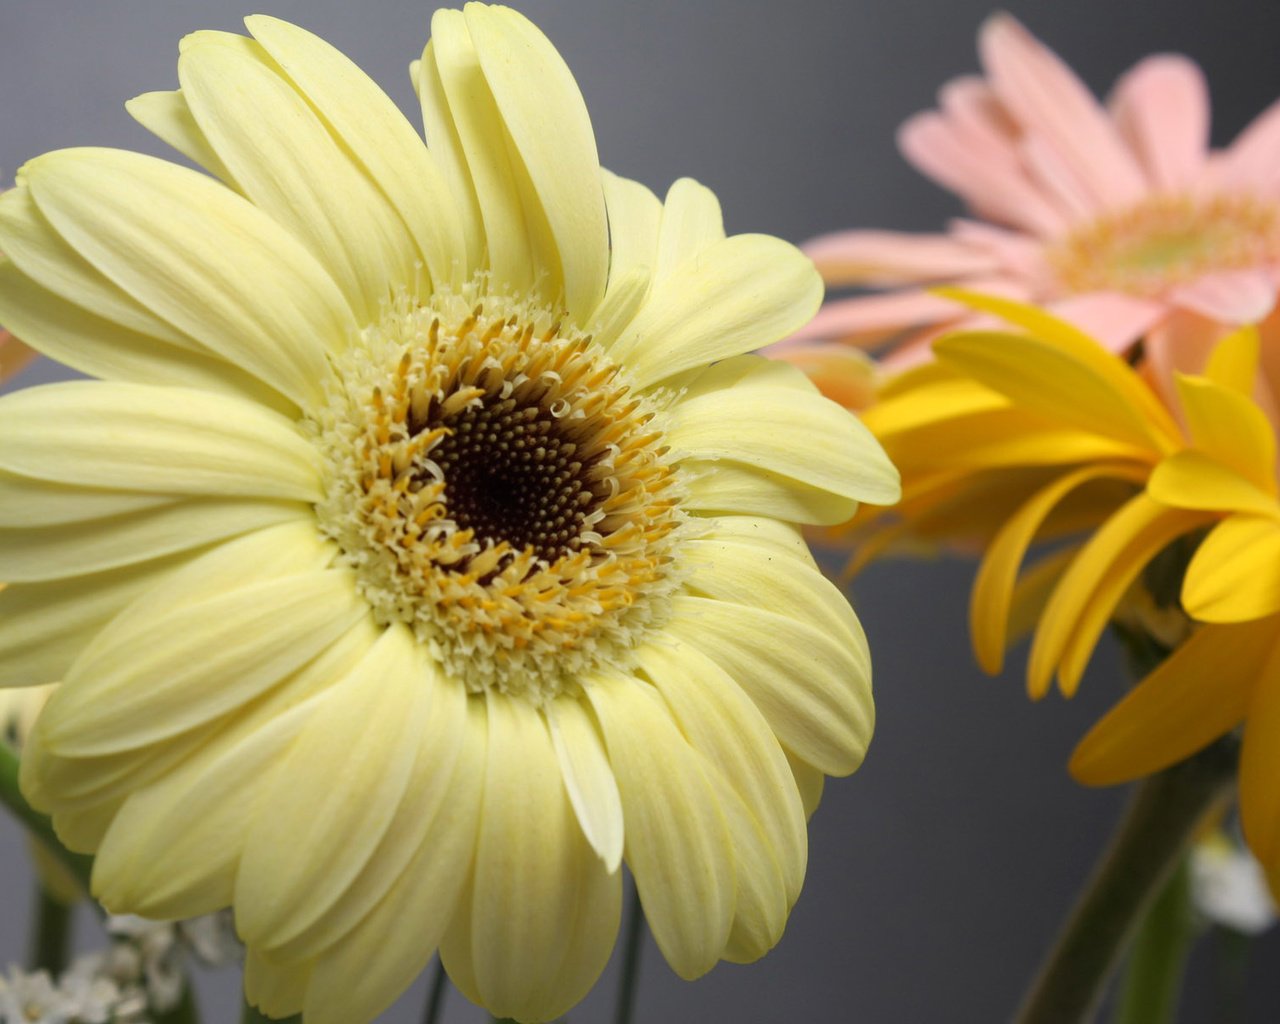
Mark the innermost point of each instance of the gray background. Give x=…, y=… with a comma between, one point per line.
x=938, y=873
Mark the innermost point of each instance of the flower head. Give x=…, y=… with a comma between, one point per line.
x=1117, y=218
x=428, y=546
x=1015, y=438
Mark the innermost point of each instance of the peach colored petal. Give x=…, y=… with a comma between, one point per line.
x=978, y=119
x=1058, y=180
x=894, y=257
x=14, y=355
x=1228, y=296
x=845, y=375
x=1253, y=159
x=1048, y=100
x=933, y=148
x=1161, y=107
x=1115, y=320
x=1018, y=254
x=869, y=319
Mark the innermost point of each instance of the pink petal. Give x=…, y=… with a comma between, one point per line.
x=917, y=348
x=1253, y=160
x=845, y=375
x=1231, y=297
x=978, y=120
x=1161, y=107
x=933, y=148
x=1049, y=101
x=1019, y=255
x=894, y=257
x=14, y=355
x=1056, y=179
x=1115, y=320
x=870, y=319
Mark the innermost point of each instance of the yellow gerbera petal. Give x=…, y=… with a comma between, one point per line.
x=691, y=223
x=549, y=130
x=814, y=691
x=174, y=440
x=1091, y=588
x=677, y=840
x=1233, y=363
x=1191, y=479
x=202, y=258
x=588, y=779
x=302, y=179
x=744, y=292
x=992, y=593
x=373, y=133
x=1235, y=572
x=167, y=115
x=1230, y=428
x=543, y=910
x=635, y=214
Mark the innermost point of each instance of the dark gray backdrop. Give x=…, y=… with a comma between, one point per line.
x=940, y=871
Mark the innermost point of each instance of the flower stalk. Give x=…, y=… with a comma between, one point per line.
x=1152, y=980
x=1144, y=853
x=51, y=933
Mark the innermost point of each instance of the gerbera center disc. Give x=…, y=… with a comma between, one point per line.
x=497, y=485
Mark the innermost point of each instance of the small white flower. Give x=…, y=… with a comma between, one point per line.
x=31, y=999
x=1229, y=888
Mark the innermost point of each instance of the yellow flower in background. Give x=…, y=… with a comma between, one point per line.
x=428, y=548
x=1228, y=672
x=1010, y=439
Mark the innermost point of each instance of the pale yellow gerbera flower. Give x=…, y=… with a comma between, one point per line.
x=428, y=548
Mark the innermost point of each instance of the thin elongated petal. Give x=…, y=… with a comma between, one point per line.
x=744, y=292
x=538, y=885
x=44, y=626
x=546, y=119
x=634, y=217
x=1229, y=427
x=728, y=729
x=691, y=223
x=1200, y=692
x=992, y=594
x=784, y=430
x=170, y=440
x=375, y=717
x=726, y=486
x=1191, y=479
x=103, y=348
x=678, y=844
x=372, y=130
x=140, y=683
x=202, y=258
x=299, y=176
x=588, y=779
x=69, y=550
x=814, y=690
x=1162, y=109
x=889, y=258
x=1235, y=572
x=360, y=976
x=276, y=990
x=1091, y=588
x=167, y=115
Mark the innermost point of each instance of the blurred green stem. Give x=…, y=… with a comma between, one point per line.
x=37, y=824
x=185, y=1012
x=1153, y=975
x=1146, y=849
x=631, y=947
x=50, y=933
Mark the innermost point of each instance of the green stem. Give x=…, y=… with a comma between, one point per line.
x=1144, y=852
x=435, y=996
x=37, y=824
x=51, y=934
x=1153, y=976
x=252, y=1015
x=632, y=945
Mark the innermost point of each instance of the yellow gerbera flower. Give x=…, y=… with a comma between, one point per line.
x=1228, y=671
x=428, y=548
x=1013, y=438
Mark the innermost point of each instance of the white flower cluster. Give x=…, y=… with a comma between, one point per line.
x=142, y=971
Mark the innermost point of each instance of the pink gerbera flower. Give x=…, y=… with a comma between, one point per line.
x=1118, y=218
